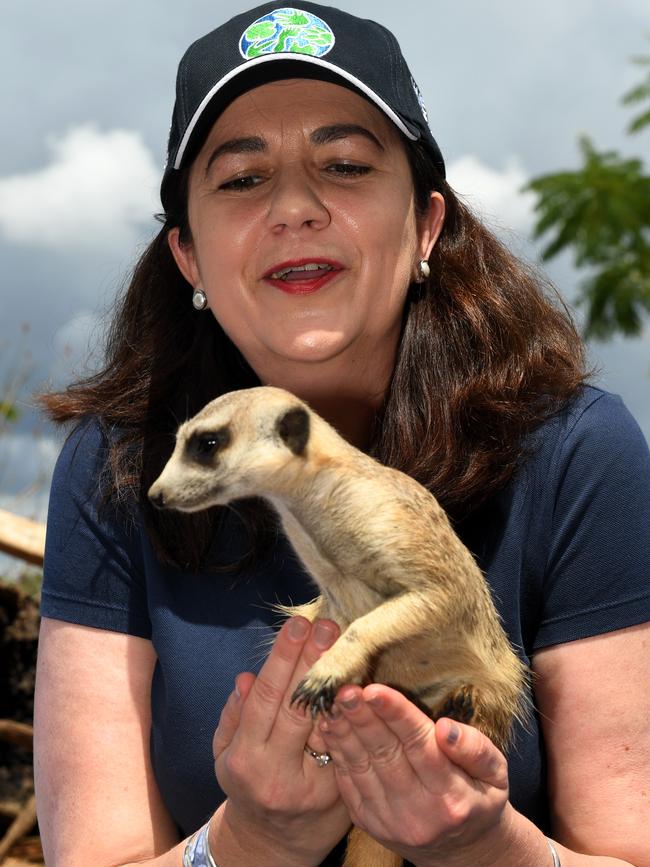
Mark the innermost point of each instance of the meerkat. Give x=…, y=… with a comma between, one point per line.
x=414, y=609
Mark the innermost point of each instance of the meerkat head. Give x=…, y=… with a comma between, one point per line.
x=234, y=447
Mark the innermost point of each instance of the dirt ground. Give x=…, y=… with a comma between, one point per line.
x=19, y=619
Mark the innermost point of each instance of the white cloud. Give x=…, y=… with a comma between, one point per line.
x=96, y=192
x=26, y=467
x=494, y=195
x=74, y=337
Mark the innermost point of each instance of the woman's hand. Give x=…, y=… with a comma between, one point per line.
x=275, y=789
x=435, y=793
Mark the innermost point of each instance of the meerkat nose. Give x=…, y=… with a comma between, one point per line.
x=158, y=500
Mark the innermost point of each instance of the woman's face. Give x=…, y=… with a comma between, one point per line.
x=304, y=234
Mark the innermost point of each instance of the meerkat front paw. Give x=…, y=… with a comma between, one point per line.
x=316, y=696
x=317, y=690
x=459, y=705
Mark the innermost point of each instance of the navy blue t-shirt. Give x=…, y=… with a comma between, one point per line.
x=565, y=549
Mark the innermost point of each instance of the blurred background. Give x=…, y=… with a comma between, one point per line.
x=88, y=88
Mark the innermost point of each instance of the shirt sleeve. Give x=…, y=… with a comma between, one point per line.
x=598, y=556
x=93, y=572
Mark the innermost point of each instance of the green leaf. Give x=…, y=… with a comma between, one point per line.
x=601, y=212
x=639, y=122
x=8, y=410
x=617, y=300
x=637, y=94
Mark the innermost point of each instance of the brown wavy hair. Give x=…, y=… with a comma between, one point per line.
x=487, y=352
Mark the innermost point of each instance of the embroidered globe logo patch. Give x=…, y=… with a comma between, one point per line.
x=287, y=30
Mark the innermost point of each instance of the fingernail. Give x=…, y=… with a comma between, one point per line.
x=323, y=635
x=375, y=701
x=237, y=692
x=334, y=712
x=298, y=627
x=350, y=702
x=453, y=733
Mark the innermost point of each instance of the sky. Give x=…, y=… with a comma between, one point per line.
x=88, y=91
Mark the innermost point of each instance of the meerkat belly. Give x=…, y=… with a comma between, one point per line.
x=345, y=596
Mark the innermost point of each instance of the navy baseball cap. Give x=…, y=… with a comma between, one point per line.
x=274, y=42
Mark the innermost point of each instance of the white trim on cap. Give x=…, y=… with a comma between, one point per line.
x=303, y=58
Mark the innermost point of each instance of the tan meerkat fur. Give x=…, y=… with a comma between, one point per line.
x=414, y=609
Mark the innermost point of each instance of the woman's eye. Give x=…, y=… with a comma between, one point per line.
x=239, y=184
x=348, y=169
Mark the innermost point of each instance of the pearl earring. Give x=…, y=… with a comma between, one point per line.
x=425, y=271
x=199, y=299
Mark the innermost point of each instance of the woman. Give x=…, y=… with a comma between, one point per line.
x=310, y=241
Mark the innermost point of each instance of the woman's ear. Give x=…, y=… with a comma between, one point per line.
x=184, y=257
x=431, y=225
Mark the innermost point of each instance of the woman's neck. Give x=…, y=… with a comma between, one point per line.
x=348, y=397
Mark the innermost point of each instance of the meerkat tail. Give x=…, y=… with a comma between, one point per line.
x=364, y=851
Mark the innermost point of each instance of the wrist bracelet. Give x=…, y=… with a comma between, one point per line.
x=554, y=855
x=197, y=849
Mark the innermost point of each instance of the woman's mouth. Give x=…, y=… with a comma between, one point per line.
x=303, y=277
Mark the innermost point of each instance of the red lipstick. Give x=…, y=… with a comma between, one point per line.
x=303, y=276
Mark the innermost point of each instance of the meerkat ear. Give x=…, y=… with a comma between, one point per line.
x=293, y=427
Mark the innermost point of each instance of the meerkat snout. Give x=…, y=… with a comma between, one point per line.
x=157, y=498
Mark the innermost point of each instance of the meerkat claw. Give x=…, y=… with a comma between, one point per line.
x=315, y=699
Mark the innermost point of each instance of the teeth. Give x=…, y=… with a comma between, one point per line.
x=310, y=266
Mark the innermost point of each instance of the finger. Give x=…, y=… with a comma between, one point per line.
x=315, y=740
x=370, y=750
x=364, y=737
x=473, y=752
x=269, y=713
x=412, y=727
x=268, y=692
x=231, y=713
x=292, y=718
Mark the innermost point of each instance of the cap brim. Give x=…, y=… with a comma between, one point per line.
x=249, y=75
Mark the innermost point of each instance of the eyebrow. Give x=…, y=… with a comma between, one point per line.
x=335, y=132
x=321, y=136
x=251, y=145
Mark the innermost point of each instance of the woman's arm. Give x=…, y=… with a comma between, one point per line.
x=593, y=697
x=98, y=802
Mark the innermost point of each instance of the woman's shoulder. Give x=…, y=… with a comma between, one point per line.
x=94, y=572
x=592, y=450
x=593, y=421
x=85, y=452
x=89, y=436
x=83, y=480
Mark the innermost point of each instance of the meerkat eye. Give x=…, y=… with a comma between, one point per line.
x=202, y=446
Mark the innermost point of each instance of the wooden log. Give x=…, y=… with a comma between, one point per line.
x=21, y=825
x=27, y=850
x=19, y=862
x=21, y=537
x=9, y=810
x=16, y=733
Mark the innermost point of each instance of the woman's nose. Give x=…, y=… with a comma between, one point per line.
x=296, y=203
